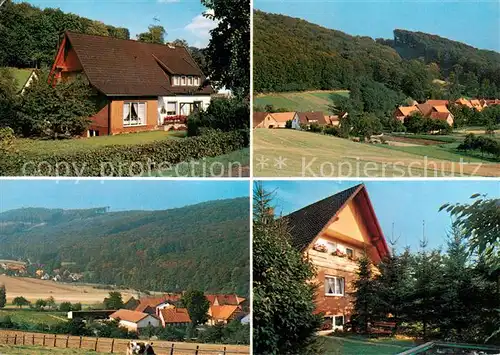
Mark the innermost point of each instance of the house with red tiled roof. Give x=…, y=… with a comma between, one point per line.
x=174, y=316
x=308, y=118
x=435, y=109
x=142, y=86
x=402, y=112
x=332, y=234
x=134, y=321
x=223, y=300
x=152, y=305
x=223, y=314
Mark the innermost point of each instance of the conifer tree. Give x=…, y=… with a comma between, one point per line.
x=3, y=296
x=284, y=320
x=365, y=294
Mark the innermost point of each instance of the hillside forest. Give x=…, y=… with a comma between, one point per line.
x=203, y=246
x=291, y=54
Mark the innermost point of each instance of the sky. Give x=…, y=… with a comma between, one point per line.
x=405, y=203
x=182, y=19
x=476, y=23
x=119, y=195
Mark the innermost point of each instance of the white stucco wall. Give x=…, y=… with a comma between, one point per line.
x=163, y=100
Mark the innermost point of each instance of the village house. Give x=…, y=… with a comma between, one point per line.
x=308, y=118
x=275, y=120
x=224, y=314
x=142, y=86
x=332, y=234
x=152, y=305
x=435, y=109
x=225, y=300
x=174, y=316
x=134, y=321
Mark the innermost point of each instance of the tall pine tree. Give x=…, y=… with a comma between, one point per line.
x=284, y=321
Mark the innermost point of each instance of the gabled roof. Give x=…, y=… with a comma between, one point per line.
x=442, y=109
x=440, y=115
x=283, y=116
x=425, y=108
x=126, y=67
x=129, y=316
x=175, y=315
x=407, y=110
x=437, y=102
x=222, y=312
x=306, y=117
x=258, y=117
x=223, y=299
x=306, y=223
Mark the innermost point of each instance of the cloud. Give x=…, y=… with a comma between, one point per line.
x=200, y=27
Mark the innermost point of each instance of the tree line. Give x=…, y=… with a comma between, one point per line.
x=295, y=55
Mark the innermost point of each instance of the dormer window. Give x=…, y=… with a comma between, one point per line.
x=183, y=80
x=176, y=80
x=196, y=81
x=190, y=81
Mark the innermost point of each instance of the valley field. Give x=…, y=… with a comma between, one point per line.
x=284, y=152
x=318, y=100
x=34, y=289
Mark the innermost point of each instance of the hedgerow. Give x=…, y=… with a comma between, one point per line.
x=122, y=160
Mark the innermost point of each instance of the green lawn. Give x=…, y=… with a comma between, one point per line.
x=34, y=317
x=220, y=165
x=285, y=152
x=36, y=350
x=67, y=145
x=361, y=346
x=300, y=101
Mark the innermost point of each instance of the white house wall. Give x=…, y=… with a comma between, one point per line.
x=163, y=100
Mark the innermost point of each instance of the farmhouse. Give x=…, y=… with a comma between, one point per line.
x=152, y=305
x=142, y=86
x=134, y=321
x=333, y=233
x=223, y=314
x=435, y=109
x=307, y=118
x=174, y=316
x=275, y=120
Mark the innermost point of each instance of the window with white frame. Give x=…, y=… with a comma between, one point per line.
x=171, y=108
x=197, y=81
x=334, y=286
x=183, y=80
x=349, y=252
x=176, y=80
x=134, y=114
x=190, y=80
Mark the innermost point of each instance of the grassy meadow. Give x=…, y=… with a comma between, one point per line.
x=283, y=152
x=33, y=146
x=354, y=346
x=299, y=101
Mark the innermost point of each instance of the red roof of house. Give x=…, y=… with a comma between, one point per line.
x=306, y=117
x=153, y=302
x=127, y=67
x=440, y=115
x=222, y=312
x=175, y=315
x=258, y=117
x=128, y=315
x=231, y=299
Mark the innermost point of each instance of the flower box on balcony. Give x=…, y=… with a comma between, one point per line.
x=320, y=247
x=339, y=254
x=174, y=119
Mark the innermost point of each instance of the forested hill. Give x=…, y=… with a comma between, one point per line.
x=205, y=246
x=29, y=36
x=291, y=54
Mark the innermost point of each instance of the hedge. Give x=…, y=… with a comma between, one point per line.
x=123, y=160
